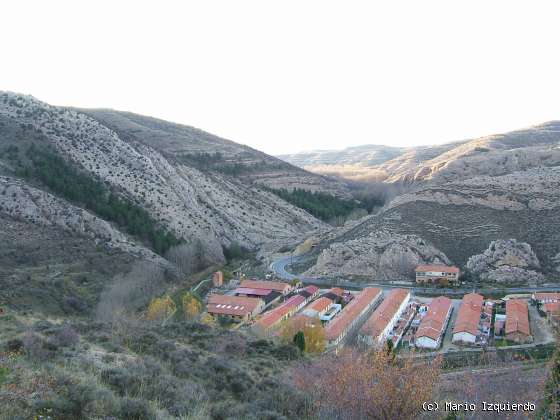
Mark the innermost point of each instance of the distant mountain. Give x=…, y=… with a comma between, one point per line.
x=366, y=155
x=497, y=154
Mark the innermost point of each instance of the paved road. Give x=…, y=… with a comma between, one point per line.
x=279, y=268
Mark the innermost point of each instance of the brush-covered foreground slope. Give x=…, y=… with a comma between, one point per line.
x=497, y=154
x=173, y=172
x=449, y=223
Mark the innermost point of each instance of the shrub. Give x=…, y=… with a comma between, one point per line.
x=136, y=409
x=66, y=336
x=37, y=348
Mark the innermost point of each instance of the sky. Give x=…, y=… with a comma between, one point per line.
x=289, y=76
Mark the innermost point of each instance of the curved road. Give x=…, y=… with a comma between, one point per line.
x=279, y=269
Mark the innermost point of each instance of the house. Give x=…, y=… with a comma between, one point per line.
x=319, y=307
x=552, y=311
x=269, y=296
x=437, y=274
x=297, y=302
x=433, y=324
x=273, y=318
x=517, y=328
x=310, y=292
x=283, y=288
x=380, y=325
x=499, y=325
x=351, y=316
x=235, y=307
x=218, y=279
x=545, y=297
x=331, y=312
x=466, y=329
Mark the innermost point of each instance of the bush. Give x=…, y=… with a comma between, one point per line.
x=37, y=348
x=136, y=409
x=66, y=336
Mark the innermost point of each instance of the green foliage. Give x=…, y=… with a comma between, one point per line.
x=236, y=252
x=299, y=340
x=52, y=170
x=321, y=205
x=4, y=371
x=217, y=162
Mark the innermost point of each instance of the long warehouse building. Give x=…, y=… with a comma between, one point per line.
x=351, y=315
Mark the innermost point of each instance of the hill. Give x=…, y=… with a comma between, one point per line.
x=497, y=154
x=449, y=223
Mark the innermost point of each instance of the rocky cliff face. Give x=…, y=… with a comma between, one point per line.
x=507, y=261
x=461, y=218
x=144, y=159
x=381, y=254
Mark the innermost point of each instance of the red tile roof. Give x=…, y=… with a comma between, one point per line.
x=295, y=301
x=469, y=313
x=321, y=304
x=379, y=320
x=265, y=284
x=337, y=291
x=274, y=316
x=311, y=289
x=434, y=321
x=232, y=305
x=337, y=326
x=437, y=267
x=552, y=308
x=517, y=317
x=547, y=296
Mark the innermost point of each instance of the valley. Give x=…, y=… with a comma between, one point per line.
x=116, y=225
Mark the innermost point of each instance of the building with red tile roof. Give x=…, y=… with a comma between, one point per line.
x=433, y=324
x=273, y=318
x=297, y=302
x=517, y=321
x=235, y=307
x=351, y=316
x=379, y=326
x=283, y=288
x=437, y=274
x=467, y=324
x=318, y=307
x=546, y=297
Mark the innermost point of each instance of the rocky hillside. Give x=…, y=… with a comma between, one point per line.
x=455, y=219
x=193, y=184
x=193, y=147
x=497, y=154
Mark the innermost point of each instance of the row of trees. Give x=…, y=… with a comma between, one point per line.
x=321, y=205
x=163, y=308
x=46, y=166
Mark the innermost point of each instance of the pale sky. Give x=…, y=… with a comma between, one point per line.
x=288, y=76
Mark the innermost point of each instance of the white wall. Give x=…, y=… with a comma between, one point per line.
x=427, y=342
x=464, y=337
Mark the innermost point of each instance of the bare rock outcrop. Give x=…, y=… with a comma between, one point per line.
x=507, y=261
x=381, y=255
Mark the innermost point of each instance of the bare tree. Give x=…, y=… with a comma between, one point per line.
x=130, y=291
x=373, y=385
x=197, y=255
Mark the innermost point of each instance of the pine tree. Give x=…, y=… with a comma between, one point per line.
x=299, y=340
